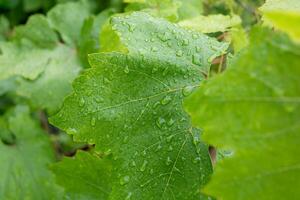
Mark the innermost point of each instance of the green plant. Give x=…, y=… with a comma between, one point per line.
x=126, y=103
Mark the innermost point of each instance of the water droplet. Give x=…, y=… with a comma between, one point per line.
x=128, y=196
x=154, y=69
x=198, y=49
x=167, y=99
x=93, y=121
x=151, y=171
x=126, y=70
x=185, y=42
x=196, y=59
x=156, y=104
x=81, y=102
x=196, y=160
x=124, y=180
x=168, y=161
x=159, y=147
x=125, y=140
x=187, y=90
x=154, y=49
x=170, y=122
x=99, y=99
x=160, y=122
x=169, y=139
x=133, y=164
x=143, y=167
x=144, y=153
x=179, y=53
x=71, y=131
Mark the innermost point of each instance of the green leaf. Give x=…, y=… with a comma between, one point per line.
x=4, y=28
x=167, y=9
x=284, y=15
x=50, y=88
x=129, y=105
x=68, y=19
x=38, y=31
x=190, y=8
x=22, y=60
x=43, y=66
x=211, y=23
x=84, y=177
x=150, y=38
x=25, y=156
x=279, y=5
x=253, y=109
x=89, y=35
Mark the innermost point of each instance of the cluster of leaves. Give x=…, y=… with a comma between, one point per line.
x=117, y=77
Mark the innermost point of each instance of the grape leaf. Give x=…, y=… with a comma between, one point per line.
x=211, y=23
x=89, y=34
x=190, y=8
x=284, y=15
x=167, y=9
x=277, y=5
x=45, y=66
x=129, y=105
x=253, y=109
x=38, y=31
x=68, y=19
x=84, y=177
x=24, y=159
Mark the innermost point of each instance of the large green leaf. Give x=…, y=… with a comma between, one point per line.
x=129, y=105
x=253, y=109
x=26, y=153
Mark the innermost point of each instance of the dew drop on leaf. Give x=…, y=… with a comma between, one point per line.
x=179, y=53
x=170, y=122
x=196, y=60
x=93, y=121
x=128, y=197
x=196, y=160
x=187, y=90
x=124, y=180
x=168, y=161
x=160, y=122
x=81, y=102
x=185, y=42
x=167, y=99
x=144, y=165
x=126, y=70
